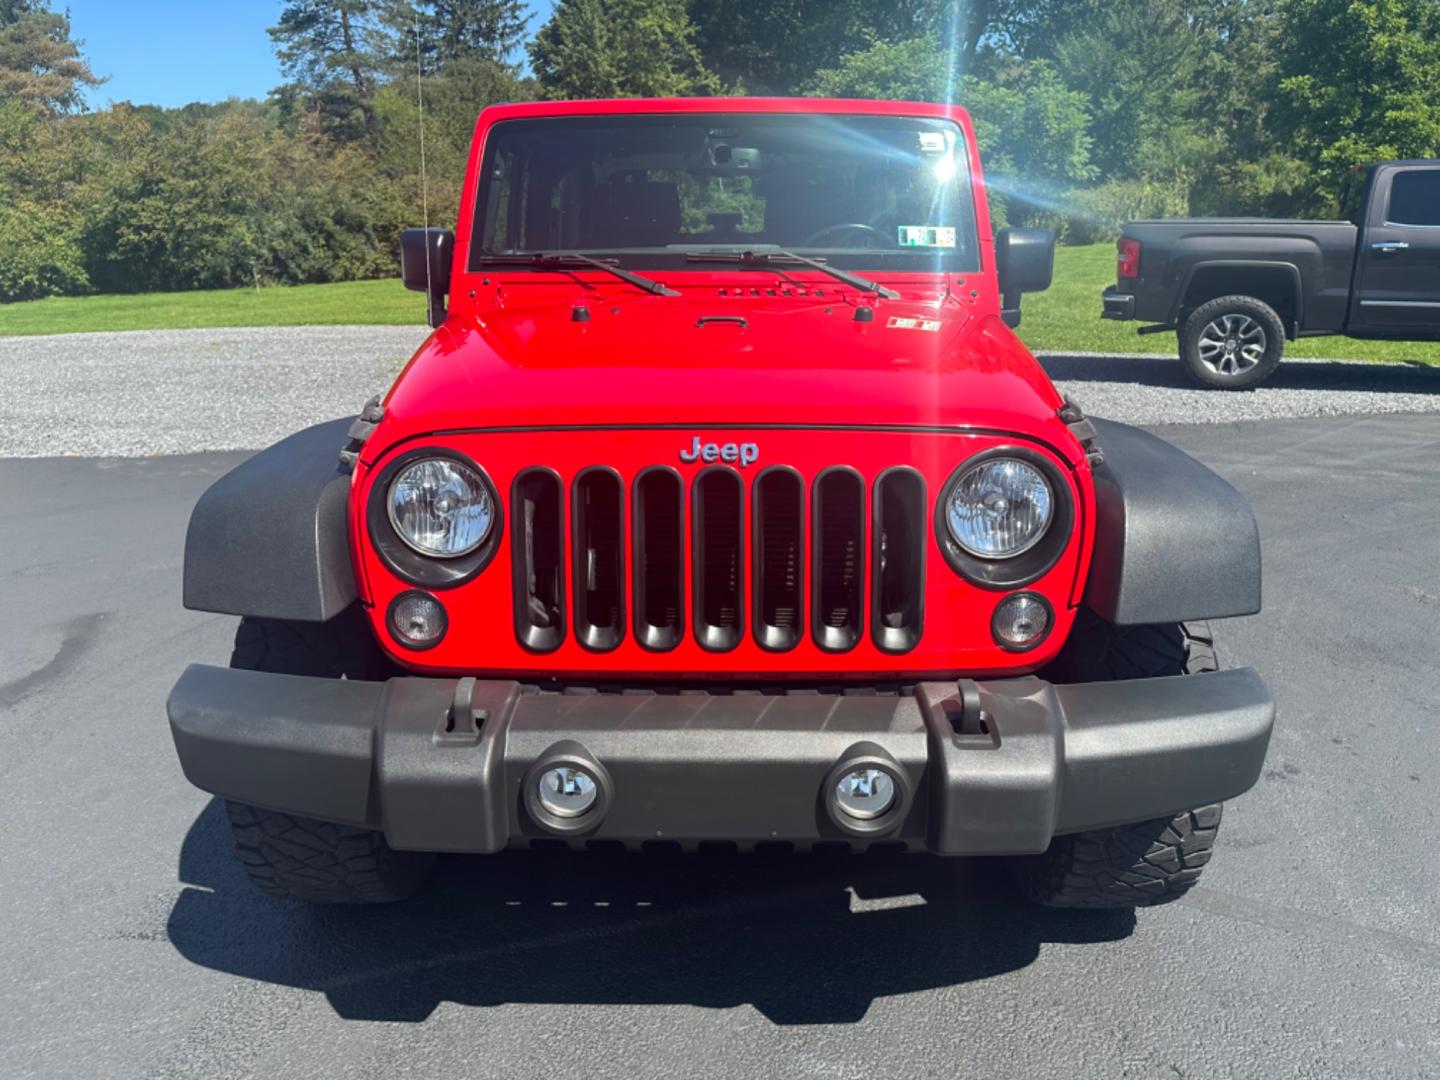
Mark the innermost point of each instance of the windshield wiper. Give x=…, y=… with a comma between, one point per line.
x=781, y=257
x=560, y=260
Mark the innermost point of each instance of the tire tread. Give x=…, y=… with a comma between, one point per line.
x=297, y=858
x=1147, y=862
x=1141, y=865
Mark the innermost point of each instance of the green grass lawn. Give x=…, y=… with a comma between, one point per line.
x=1067, y=317
x=354, y=302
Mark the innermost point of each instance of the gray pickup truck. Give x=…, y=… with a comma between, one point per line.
x=1235, y=289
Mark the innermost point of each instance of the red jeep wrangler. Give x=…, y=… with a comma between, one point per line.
x=723, y=507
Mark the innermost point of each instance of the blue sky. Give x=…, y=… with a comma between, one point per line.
x=171, y=52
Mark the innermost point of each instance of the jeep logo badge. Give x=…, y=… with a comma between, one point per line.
x=745, y=453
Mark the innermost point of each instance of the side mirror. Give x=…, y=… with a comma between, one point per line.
x=432, y=277
x=1025, y=259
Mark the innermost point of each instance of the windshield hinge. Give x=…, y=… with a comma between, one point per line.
x=361, y=430
x=1083, y=430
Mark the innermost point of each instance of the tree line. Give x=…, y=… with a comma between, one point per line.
x=1089, y=112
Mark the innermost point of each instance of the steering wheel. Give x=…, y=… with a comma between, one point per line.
x=849, y=226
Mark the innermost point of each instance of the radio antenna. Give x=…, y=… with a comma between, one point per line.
x=424, y=179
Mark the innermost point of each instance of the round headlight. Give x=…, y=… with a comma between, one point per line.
x=440, y=507
x=1000, y=508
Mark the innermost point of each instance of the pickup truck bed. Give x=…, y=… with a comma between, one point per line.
x=1185, y=262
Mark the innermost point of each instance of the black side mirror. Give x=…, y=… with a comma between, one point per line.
x=432, y=278
x=1025, y=259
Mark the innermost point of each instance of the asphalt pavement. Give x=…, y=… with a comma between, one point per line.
x=133, y=946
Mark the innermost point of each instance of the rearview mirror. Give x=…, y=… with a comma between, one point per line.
x=432, y=277
x=1025, y=259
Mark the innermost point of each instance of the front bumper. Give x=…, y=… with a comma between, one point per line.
x=981, y=768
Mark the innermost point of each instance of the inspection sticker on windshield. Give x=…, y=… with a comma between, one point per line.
x=942, y=236
x=898, y=322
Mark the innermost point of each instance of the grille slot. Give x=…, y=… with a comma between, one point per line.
x=659, y=559
x=718, y=528
x=897, y=608
x=778, y=558
x=537, y=559
x=597, y=516
x=838, y=565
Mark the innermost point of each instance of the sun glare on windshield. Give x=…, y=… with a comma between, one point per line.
x=858, y=191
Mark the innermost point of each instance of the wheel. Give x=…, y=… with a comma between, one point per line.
x=297, y=858
x=1232, y=342
x=1149, y=862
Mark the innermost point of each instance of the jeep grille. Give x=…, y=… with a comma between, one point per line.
x=647, y=595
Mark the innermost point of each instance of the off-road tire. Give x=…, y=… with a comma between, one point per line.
x=1099, y=652
x=1153, y=862
x=297, y=858
x=1149, y=862
x=1214, y=311
x=343, y=648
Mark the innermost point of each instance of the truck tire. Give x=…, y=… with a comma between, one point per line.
x=1148, y=862
x=297, y=858
x=1232, y=342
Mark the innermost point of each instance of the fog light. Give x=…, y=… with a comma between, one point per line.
x=417, y=620
x=567, y=792
x=865, y=794
x=1021, y=621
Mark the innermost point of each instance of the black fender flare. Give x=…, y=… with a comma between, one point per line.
x=270, y=538
x=1173, y=541
x=1288, y=269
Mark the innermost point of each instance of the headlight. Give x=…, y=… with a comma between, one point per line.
x=1000, y=508
x=440, y=507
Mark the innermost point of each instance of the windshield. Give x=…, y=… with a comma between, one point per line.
x=857, y=191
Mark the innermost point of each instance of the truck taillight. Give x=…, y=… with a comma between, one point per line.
x=1127, y=261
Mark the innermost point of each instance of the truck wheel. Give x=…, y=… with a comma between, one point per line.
x=297, y=858
x=1232, y=342
x=1150, y=862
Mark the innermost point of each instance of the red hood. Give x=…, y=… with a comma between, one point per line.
x=929, y=359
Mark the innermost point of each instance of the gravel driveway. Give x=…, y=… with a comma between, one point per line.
x=150, y=392
x=146, y=392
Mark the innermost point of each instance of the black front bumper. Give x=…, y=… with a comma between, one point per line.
x=988, y=768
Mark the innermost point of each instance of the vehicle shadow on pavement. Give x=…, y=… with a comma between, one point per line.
x=803, y=939
x=1410, y=377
